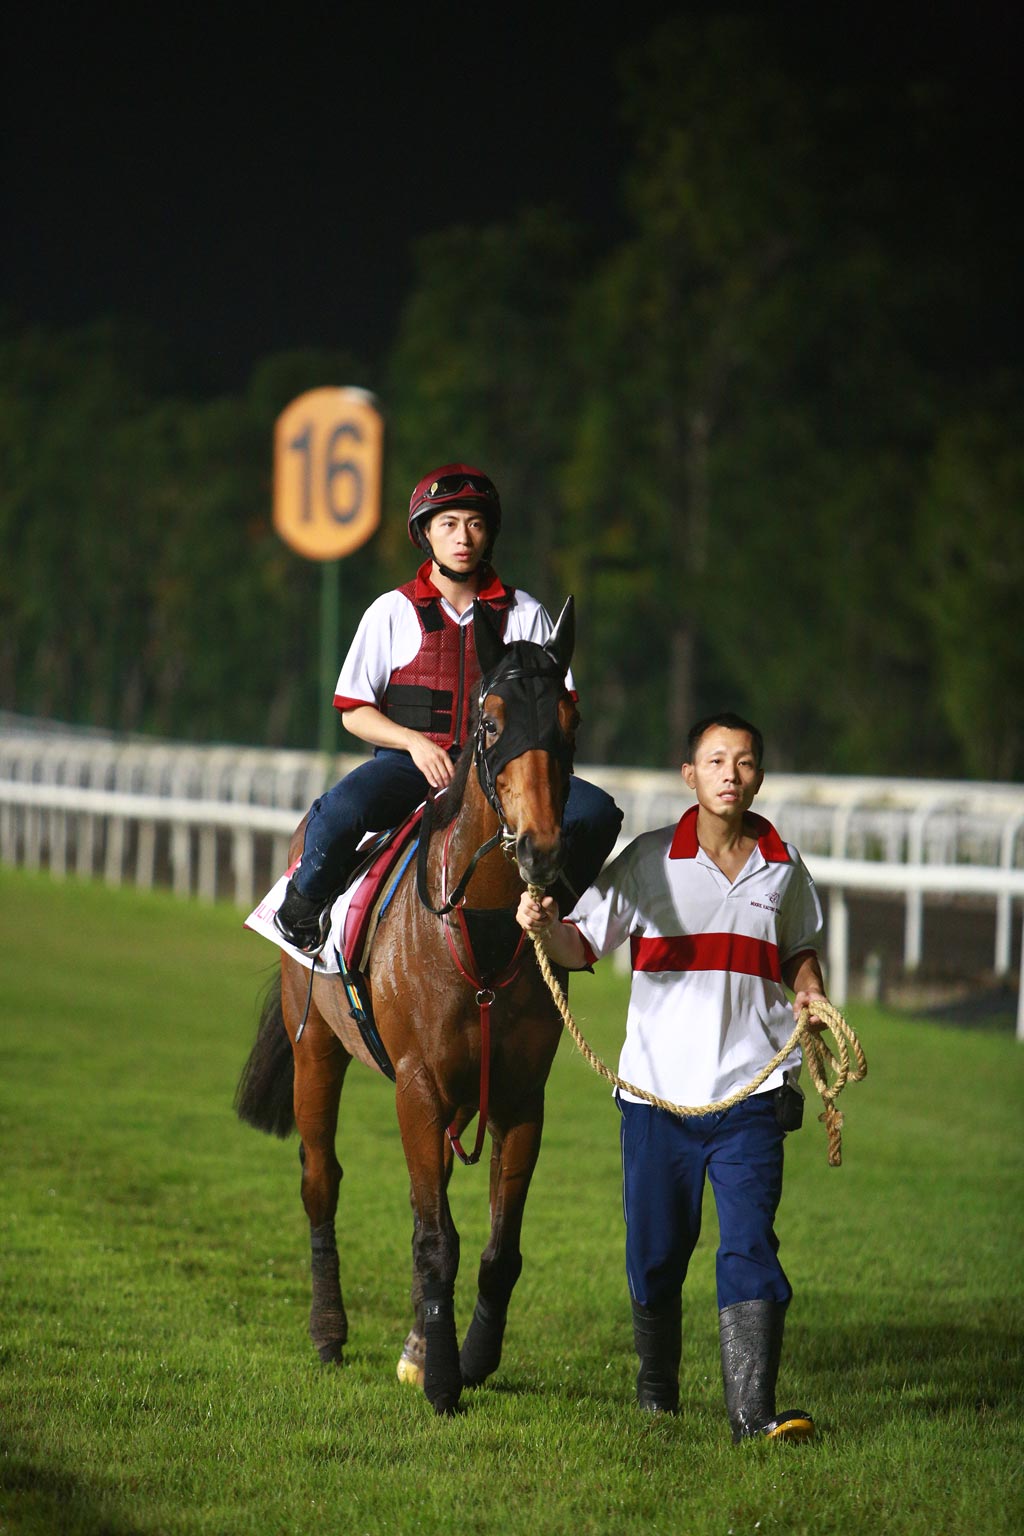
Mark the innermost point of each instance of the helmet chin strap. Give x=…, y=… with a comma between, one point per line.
x=459, y=576
x=452, y=575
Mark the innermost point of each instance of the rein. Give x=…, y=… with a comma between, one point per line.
x=817, y=1056
x=426, y=827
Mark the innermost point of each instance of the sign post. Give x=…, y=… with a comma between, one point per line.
x=327, y=491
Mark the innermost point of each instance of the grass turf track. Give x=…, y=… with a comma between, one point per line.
x=156, y=1375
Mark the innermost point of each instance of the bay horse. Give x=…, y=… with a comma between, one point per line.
x=460, y=1006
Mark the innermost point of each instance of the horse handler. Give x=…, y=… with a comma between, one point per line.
x=407, y=688
x=721, y=916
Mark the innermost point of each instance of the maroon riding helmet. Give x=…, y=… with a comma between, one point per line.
x=453, y=485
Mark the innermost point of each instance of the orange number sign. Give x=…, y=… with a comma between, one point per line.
x=327, y=472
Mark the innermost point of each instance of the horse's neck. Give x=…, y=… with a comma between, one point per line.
x=495, y=881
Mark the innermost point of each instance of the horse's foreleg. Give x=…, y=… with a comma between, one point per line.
x=435, y=1242
x=413, y=1358
x=513, y=1160
x=320, y=1065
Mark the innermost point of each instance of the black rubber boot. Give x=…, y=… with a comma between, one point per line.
x=303, y=921
x=751, y=1340
x=658, y=1340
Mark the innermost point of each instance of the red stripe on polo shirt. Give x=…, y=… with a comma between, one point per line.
x=708, y=952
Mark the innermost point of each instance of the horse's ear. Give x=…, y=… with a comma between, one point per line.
x=490, y=647
x=562, y=640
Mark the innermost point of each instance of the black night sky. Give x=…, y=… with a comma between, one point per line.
x=249, y=186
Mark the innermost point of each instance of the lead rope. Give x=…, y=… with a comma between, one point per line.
x=818, y=1057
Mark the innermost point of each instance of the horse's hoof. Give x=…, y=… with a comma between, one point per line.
x=413, y=1359
x=409, y=1372
x=330, y=1354
x=446, y=1406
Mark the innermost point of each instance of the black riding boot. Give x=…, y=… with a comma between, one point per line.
x=658, y=1339
x=303, y=921
x=751, y=1339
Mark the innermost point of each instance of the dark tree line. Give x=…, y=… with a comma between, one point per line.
x=771, y=441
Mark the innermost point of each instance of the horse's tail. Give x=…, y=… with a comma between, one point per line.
x=263, y=1097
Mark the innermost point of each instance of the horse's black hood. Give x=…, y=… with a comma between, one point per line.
x=530, y=677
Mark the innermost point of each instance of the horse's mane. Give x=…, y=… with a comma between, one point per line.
x=450, y=803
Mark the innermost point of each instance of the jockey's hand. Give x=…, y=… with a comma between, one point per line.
x=536, y=916
x=431, y=760
x=806, y=1000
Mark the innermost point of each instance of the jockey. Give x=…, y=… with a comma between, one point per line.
x=406, y=688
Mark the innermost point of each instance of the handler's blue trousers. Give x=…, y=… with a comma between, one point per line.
x=383, y=792
x=664, y=1163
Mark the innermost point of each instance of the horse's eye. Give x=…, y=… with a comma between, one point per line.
x=490, y=726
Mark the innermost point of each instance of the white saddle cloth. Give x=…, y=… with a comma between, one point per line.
x=261, y=920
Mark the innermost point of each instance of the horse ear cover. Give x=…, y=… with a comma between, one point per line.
x=562, y=640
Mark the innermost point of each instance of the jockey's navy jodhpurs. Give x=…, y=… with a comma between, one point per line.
x=383, y=792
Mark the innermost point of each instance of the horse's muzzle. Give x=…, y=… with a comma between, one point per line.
x=539, y=863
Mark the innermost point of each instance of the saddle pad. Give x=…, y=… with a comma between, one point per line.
x=357, y=902
x=261, y=921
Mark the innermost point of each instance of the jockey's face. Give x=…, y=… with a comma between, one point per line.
x=457, y=538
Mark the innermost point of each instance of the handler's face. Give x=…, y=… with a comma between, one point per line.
x=724, y=774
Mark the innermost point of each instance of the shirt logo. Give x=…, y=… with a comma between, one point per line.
x=772, y=905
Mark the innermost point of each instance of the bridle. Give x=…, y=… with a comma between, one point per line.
x=541, y=671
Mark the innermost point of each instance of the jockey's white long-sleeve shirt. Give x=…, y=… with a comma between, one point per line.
x=389, y=636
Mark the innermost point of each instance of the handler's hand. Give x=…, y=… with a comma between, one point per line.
x=431, y=760
x=536, y=916
x=807, y=1000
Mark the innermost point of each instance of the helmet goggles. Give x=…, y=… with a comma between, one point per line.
x=448, y=486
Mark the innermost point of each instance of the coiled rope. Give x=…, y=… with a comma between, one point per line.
x=820, y=1060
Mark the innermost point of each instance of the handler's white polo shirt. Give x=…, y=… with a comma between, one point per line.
x=389, y=636
x=708, y=1008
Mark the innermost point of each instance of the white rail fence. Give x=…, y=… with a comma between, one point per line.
x=216, y=822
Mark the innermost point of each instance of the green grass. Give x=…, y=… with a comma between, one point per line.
x=156, y=1375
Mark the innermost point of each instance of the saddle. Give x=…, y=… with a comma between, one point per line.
x=373, y=893
x=492, y=938
x=375, y=882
